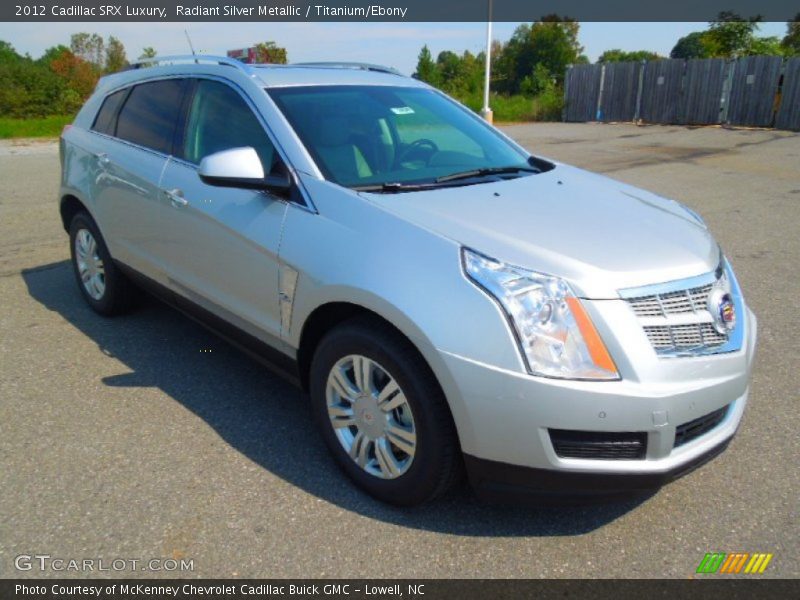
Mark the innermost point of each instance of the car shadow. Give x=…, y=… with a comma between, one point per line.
x=242, y=400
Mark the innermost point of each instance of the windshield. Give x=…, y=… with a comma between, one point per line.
x=396, y=138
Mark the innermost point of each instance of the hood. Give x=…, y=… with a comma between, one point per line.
x=599, y=234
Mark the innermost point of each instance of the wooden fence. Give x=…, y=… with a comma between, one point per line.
x=756, y=91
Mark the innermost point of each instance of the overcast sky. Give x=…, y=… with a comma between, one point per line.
x=392, y=44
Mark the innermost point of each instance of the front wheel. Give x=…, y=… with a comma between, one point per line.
x=382, y=414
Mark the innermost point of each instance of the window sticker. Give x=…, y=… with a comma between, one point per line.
x=402, y=110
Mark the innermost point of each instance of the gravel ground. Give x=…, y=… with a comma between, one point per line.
x=146, y=437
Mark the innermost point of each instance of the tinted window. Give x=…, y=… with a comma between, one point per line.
x=106, y=118
x=219, y=119
x=150, y=114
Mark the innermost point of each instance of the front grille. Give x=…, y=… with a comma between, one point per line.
x=599, y=445
x=676, y=319
x=672, y=303
x=684, y=337
x=694, y=429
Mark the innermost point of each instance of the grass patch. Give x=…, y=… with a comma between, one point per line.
x=38, y=127
x=544, y=107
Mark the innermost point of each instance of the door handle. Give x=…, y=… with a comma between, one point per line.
x=176, y=198
x=102, y=159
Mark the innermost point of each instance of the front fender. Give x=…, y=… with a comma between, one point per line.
x=353, y=251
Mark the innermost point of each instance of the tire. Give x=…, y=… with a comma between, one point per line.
x=418, y=407
x=108, y=292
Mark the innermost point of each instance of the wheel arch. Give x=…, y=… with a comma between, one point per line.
x=70, y=206
x=328, y=316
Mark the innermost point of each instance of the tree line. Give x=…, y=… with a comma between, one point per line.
x=731, y=36
x=528, y=70
x=60, y=81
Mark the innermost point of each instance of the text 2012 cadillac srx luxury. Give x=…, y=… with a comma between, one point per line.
x=450, y=302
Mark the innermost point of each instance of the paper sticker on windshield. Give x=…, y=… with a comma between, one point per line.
x=402, y=110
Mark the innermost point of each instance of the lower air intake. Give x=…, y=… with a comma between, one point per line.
x=694, y=429
x=599, y=445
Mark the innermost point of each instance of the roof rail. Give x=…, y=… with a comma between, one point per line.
x=350, y=65
x=190, y=58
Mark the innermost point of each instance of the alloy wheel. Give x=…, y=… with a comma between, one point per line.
x=371, y=416
x=90, y=266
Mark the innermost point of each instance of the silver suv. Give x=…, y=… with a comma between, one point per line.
x=450, y=302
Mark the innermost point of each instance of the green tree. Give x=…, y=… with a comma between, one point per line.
x=270, y=52
x=791, y=43
x=693, y=45
x=458, y=75
x=148, y=52
x=89, y=47
x=766, y=46
x=731, y=35
x=426, y=68
x=7, y=52
x=552, y=42
x=448, y=64
x=28, y=88
x=115, y=56
x=617, y=55
x=538, y=82
x=472, y=68
x=52, y=53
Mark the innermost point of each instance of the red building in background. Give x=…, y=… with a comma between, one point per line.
x=246, y=55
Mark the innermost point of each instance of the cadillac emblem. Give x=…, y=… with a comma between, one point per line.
x=723, y=311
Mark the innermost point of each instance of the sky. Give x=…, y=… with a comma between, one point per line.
x=392, y=44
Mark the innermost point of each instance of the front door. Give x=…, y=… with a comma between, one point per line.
x=220, y=244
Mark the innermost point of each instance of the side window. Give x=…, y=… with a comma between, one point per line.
x=150, y=114
x=106, y=119
x=219, y=119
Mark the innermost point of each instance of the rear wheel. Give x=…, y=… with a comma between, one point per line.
x=101, y=283
x=382, y=414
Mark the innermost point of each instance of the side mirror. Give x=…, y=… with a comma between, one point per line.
x=242, y=168
x=280, y=185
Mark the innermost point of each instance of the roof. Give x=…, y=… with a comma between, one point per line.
x=269, y=75
x=317, y=74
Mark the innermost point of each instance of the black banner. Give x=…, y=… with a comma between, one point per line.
x=421, y=589
x=392, y=10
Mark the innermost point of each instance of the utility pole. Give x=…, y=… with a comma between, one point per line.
x=486, y=112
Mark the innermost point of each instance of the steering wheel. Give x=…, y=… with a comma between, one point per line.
x=425, y=145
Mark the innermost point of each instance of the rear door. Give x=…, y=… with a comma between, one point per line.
x=221, y=243
x=139, y=136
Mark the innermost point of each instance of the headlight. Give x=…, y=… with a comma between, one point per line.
x=555, y=334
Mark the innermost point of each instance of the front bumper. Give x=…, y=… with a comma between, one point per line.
x=500, y=482
x=504, y=420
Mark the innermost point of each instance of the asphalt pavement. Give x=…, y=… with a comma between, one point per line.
x=146, y=437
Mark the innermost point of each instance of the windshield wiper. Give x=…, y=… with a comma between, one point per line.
x=394, y=187
x=486, y=171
